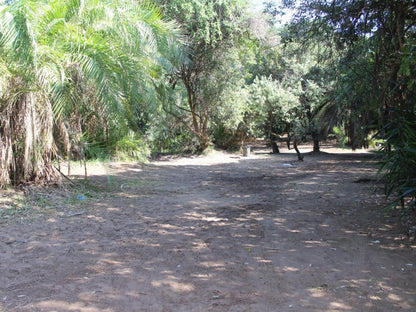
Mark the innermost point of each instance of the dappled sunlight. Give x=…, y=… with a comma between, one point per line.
x=316, y=293
x=173, y=284
x=114, y=209
x=55, y=305
x=340, y=306
x=290, y=269
x=263, y=261
x=394, y=297
x=218, y=265
x=245, y=234
x=167, y=227
x=208, y=217
x=314, y=244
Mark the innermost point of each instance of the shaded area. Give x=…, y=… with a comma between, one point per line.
x=248, y=234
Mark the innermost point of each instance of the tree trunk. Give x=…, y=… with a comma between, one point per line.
x=26, y=140
x=316, y=148
x=6, y=151
x=275, y=147
x=315, y=138
x=199, y=114
x=295, y=146
x=203, y=142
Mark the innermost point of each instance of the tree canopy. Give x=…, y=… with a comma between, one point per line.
x=72, y=72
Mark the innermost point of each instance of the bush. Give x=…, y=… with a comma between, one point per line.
x=168, y=136
x=341, y=136
x=132, y=147
x=227, y=139
x=398, y=160
x=96, y=151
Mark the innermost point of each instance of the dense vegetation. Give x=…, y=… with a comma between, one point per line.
x=89, y=79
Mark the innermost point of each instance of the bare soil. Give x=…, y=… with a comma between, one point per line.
x=220, y=232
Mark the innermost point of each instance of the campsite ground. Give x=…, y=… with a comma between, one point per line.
x=210, y=233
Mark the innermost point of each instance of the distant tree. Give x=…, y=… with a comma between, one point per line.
x=272, y=108
x=372, y=36
x=212, y=29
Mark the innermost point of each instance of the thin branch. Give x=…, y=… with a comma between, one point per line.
x=186, y=110
x=182, y=121
x=66, y=177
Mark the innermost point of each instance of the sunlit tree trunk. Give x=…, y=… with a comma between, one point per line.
x=26, y=141
x=199, y=114
x=6, y=151
x=32, y=141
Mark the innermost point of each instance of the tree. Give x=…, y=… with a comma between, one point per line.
x=375, y=91
x=397, y=155
x=212, y=28
x=69, y=67
x=26, y=124
x=397, y=160
x=272, y=108
x=373, y=35
x=302, y=70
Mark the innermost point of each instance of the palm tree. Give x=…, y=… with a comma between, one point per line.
x=67, y=65
x=26, y=123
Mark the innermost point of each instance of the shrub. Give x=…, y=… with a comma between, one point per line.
x=341, y=136
x=397, y=159
x=132, y=147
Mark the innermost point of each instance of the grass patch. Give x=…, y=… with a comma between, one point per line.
x=30, y=202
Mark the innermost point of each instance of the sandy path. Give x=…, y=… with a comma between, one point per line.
x=217, y=233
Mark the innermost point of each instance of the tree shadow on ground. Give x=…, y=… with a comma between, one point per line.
x=251, y=235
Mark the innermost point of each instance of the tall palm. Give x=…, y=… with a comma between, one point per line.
x=112, y=60
x=26, y=123
x=63, y=59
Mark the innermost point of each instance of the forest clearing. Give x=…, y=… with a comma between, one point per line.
x=120, y=85
x=212, y=233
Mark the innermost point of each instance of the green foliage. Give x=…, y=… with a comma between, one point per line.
x=97, y=151
x=297, y=89
x=398, y=152
x=77, y=73
x=368, y=39
x=272, y=108
x=168, y=136
x=398, y=160
x=132, y=147
x=374, y=85
x=213, y=30
x=229, y=98
x=208, y=23
x=341, y=136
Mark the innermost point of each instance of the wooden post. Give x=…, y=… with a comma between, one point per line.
x=246, y=151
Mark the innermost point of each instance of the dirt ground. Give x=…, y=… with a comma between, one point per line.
x=220, y=232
